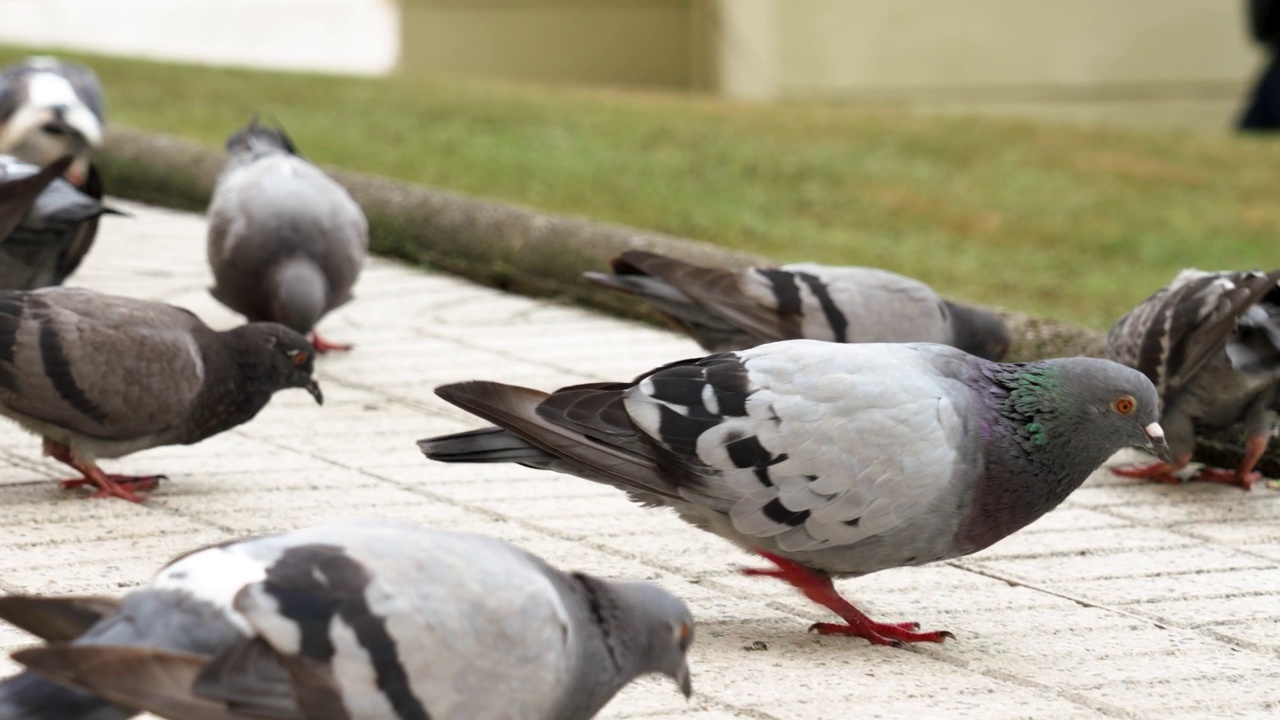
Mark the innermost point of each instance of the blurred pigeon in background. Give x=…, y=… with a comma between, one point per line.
x=102, y=376
x=1210, y=341
x=737, y=309
x=48, y=109
x=47, y=225
x=361, y=621
x=828, y=459
x=286, y=242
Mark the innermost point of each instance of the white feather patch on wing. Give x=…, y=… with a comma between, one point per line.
x=215, y=576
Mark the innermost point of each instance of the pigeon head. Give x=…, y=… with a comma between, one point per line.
x=661, y=627
x=278, y=357
x=1080, y=411
x=979, y=332
x=255, y=139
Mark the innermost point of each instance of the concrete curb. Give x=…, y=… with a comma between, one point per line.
x=519, y=249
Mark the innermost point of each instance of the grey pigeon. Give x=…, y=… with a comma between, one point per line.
x=355, y=621
x=829, y=460
x=1210, y=342
x=734, y=310
x=101, y=376
x=286, y=242
x=48, y=109
x=47, y=242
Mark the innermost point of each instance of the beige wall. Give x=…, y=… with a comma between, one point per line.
x=623, y=42
x=1173, y=62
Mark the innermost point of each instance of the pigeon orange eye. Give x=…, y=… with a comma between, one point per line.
x=299, y=358
x=1125, y=405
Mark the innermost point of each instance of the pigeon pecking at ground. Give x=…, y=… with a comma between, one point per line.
x=827, y=459
x=356, y=621
x=286, y=242
x=49, y=109
x=1210, y=341
x=48, y=229
x=734, y=310
x=101, y=376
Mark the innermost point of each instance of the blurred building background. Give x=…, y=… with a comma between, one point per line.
x=1180, y=63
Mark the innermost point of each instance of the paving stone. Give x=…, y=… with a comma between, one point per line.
x=1133, y=599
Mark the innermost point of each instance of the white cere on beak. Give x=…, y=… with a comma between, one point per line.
x=1154, y=431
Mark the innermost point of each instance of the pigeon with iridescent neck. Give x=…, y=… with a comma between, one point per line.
x=829, y=459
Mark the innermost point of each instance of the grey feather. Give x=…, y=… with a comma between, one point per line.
x=735, y=310
x=1210, y=341
x=286, y=242
x=845, y=458
x=47, y=242
x=349, y=621
x=104, y=376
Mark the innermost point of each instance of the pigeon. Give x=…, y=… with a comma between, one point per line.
x=50, y=108
x=1210, y=342
x=359, y=621
x=829, y=460
x=727, y=310
x=102, y=376
x=50, y=228
x=286, y=241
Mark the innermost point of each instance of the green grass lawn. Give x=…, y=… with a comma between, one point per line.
x=1067, y=222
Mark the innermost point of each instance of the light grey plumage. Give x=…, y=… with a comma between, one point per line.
x=355, y=621
x=830, y=459
x=734, y=310
x=1210, y=341
x=50, y=228
x=286, y=242
x=101, y=376
x=49, y=109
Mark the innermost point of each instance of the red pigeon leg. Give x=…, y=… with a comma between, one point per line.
x=121, y=486
x=1158, y=471
x=819, y=588
x=1244, y=475
x=323, y=346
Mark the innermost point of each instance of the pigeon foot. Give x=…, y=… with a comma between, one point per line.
x=1157, y=471
x=820, y=589
x=323, y=346
x=1228, y=477
x=120, y=486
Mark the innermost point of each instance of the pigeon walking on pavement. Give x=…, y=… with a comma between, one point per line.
x=49, y=109
x=286, y=242
x=47, y=225
x=1210, y=342
x=829, y=460
x=102, y=376
x=354, y=621
x=734, y=310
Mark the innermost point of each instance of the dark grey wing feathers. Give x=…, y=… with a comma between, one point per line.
x=55, y=619
x=248, y=677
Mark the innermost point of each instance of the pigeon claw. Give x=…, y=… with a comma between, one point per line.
x=894, y=634
x=1228, y=477
x=117, y=486
x=1157, y=471
x=818, y=587
x=323, y=346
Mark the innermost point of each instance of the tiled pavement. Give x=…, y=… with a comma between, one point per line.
x=1131, y=600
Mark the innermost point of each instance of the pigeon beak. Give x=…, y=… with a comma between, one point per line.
x=684, y=681
x=1156, y=443
x=313, y=387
